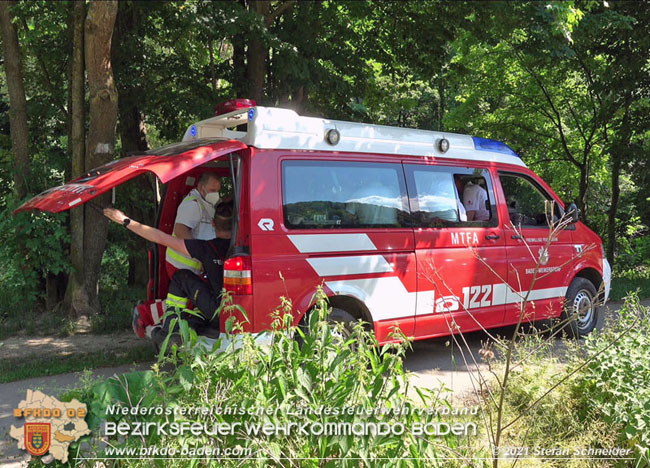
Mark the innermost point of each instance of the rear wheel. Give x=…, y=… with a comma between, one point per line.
x=343, y=317
x=580, y=313
x=335, y=317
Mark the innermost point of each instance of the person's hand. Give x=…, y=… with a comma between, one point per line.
x=115, y=215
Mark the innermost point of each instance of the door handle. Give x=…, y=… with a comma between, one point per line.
x=517, y=236
x=492, y=236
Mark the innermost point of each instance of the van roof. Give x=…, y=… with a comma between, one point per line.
x=276, y=128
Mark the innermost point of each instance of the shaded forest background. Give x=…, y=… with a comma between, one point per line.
x=565, y=84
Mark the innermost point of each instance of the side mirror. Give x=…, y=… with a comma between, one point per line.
x=572, y=211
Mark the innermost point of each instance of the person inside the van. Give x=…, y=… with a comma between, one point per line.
x=194, y=221
x=475, y=199
x=205, y=294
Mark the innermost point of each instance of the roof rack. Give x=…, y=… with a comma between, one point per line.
x=276, y=128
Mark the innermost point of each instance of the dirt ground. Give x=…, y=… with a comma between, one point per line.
x=18, y=347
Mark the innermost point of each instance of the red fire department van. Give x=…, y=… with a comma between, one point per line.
x=402, y=227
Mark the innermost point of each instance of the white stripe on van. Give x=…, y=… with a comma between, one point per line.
x=357, y=265
x=312, y=243
x=386, y=298
x=513, y=297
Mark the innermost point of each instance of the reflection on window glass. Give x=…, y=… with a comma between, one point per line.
x=446, y=196
x=526, y=204
x=321, y=194
x=436, y=195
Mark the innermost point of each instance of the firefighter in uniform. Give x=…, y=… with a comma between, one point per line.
x=185, y=284
x=194, y=221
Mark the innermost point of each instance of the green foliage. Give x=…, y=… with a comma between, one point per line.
x=115, y=294
x=556, y=421
x=547, y=408
x=326, y=371
x=616, y=383
x=634, y=247
x=32, y=245
x=117, y=309
x=633, y=281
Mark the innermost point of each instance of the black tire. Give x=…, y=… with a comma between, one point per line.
x=580, y=313
x=334, y=317
x=341, y=316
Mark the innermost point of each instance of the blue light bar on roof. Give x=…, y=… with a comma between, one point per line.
x=485, y=144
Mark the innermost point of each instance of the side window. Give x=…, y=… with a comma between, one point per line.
x=443, y=196
x=337, y=195
x=527, y=204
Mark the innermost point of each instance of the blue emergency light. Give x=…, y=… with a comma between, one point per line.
x=486, y=144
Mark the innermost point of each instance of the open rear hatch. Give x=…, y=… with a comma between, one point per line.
x=166, y=163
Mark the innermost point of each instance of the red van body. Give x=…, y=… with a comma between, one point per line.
x=374, y=215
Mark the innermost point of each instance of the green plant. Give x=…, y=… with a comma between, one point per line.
x=117, y=308
x=290, y=384
x=616, y=382
x=634, y=280
x=32, y=245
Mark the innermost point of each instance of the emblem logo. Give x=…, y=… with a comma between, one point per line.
x=37, y=438
x=266, y=224
x=543, y=256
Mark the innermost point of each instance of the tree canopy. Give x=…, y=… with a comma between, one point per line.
x=566, y=84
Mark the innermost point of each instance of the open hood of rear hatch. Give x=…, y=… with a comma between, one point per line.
x=166, y=163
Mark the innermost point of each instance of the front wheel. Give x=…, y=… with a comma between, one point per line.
x=580, y=313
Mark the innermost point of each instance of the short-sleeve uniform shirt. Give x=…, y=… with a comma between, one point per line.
x=196, y=214
x=211, y=253
x=474, y=198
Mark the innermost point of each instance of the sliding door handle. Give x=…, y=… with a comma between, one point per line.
x=492, y=236
x=517, y=236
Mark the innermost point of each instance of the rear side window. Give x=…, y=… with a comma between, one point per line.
x=442, y=196
x=338, y=195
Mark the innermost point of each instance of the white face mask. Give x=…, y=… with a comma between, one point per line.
x=212, y=198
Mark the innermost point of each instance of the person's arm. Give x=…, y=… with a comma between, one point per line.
x=147, y=232
x=188, y=217
x=182, y=232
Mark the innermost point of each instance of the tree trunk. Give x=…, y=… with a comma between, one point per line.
x=17, y=101
x=213, y=76
x=76, y=299
x=582, y=191
x=132, y=130
x=100, y=144
x=239, y=66
x=611, y=213
x=257, y=54
x=441, y=100
x=620, y=151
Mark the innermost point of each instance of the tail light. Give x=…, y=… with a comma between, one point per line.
x=237, y=275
